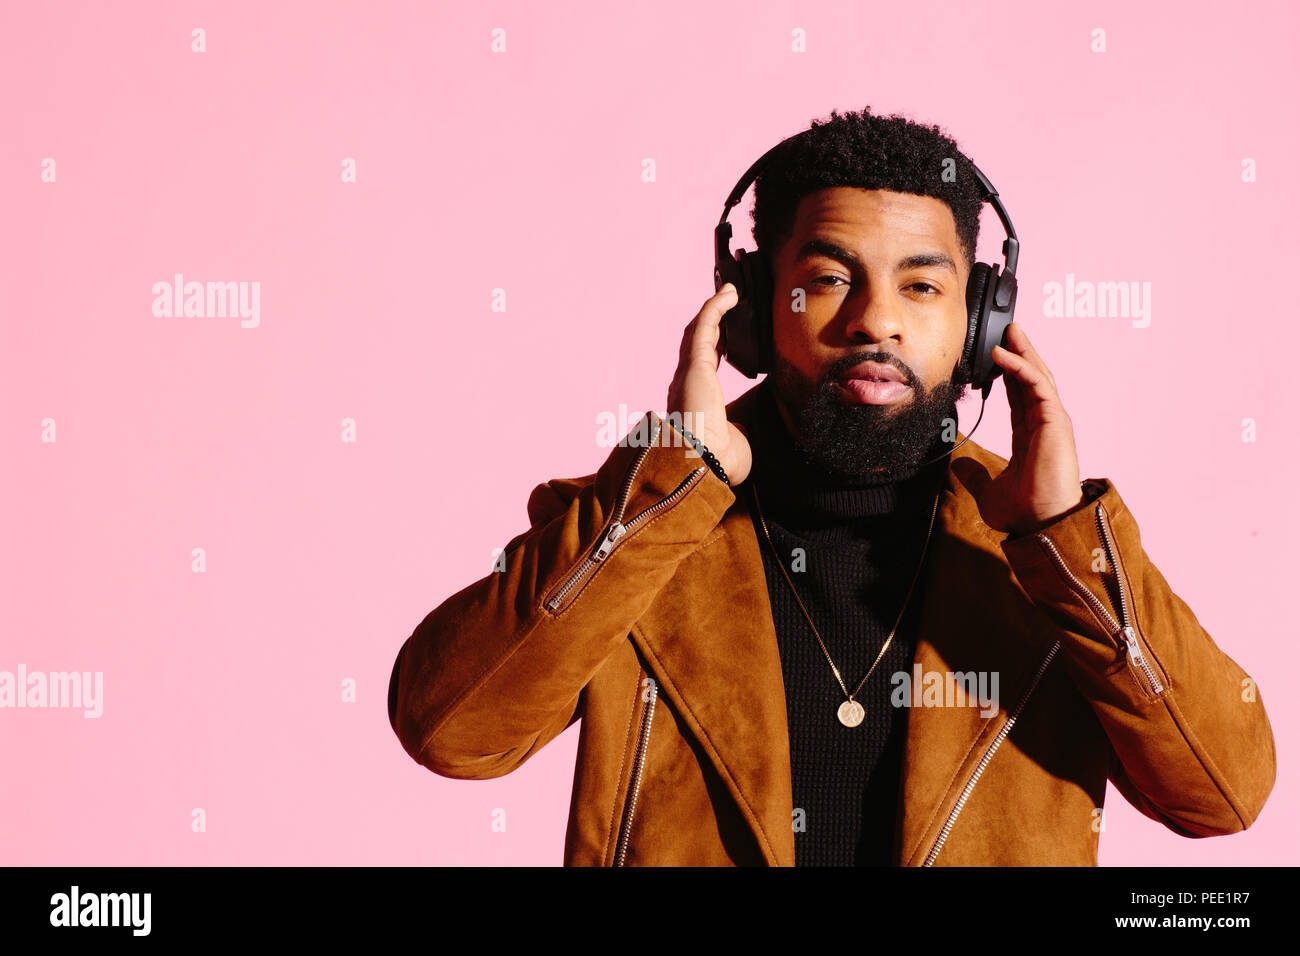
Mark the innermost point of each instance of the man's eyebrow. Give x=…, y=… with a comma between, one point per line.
x=824, y=247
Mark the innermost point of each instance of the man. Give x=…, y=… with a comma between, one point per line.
x=866, y=656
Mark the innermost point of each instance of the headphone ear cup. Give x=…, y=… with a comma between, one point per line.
x=760, y=297
x=976, y=287
x=744, y=335
x=732, y=335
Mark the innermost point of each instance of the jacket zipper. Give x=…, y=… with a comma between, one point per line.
x=988, y=755
x=1123, y=628
x=1136, y=654
x=638, y=768
x=617, y=530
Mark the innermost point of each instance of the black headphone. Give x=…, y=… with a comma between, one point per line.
x=746, y=337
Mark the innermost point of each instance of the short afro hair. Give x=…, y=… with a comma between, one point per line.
x=869, y=152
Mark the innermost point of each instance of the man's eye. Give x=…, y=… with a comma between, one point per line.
x=924, y=285
x=836, y=278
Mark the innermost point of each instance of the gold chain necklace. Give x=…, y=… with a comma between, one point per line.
x=850, y=712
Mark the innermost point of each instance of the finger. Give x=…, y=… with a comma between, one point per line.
x=1049, y=383
x=1015, y=396
x=1015, y=402
x=684, y=350
x=1018, y=339
x=1037, y=385
x=716, y=305
x=705, y=328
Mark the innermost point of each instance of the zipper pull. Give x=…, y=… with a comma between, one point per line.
x=615, y=532
x=1135, y=655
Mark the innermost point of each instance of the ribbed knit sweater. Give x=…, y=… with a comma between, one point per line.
x=851, y=549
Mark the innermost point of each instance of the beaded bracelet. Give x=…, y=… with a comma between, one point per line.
x=710, y=459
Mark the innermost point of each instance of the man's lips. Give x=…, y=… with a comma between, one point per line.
x=873, y=383
x=873, y=372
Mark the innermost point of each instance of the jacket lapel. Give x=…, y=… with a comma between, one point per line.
x=720, y=667
x=975, y=618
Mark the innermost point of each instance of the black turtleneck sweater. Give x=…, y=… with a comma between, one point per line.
x=861, y=544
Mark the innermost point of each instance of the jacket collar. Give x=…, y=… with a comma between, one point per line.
x=721, y=668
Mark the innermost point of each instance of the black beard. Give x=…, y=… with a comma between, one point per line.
x=869, y=443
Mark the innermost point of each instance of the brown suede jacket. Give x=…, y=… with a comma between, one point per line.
x=637, y=602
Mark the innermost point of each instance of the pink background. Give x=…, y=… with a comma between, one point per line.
x=522, y=170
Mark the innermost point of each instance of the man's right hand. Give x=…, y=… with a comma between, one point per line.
x=696, y=393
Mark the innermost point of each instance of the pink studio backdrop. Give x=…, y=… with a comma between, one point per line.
x=521, y=170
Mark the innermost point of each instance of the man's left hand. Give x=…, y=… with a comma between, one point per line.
x=1041, y=480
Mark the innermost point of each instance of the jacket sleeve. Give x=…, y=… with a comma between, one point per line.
x=1193, y=747
x=497, y=670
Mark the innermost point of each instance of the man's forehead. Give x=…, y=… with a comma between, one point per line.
x=844, y=210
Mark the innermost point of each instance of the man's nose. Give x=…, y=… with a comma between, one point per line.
x=877, y=318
